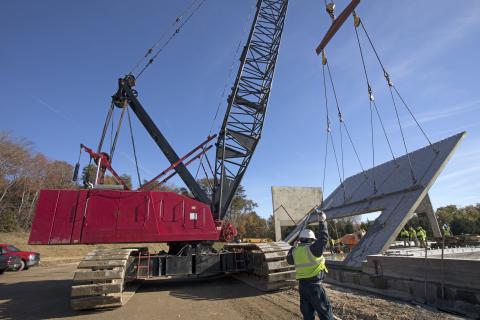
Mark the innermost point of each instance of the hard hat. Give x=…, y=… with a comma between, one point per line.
x=307, y=234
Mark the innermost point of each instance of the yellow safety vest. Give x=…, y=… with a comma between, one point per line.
x=306, y=264
x=421, y=234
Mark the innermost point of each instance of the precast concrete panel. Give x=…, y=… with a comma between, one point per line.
x=392, y=189
x=291, y=204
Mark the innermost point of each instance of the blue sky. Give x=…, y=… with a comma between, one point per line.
x=60, y=61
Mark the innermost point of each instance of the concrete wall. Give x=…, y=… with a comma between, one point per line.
x=291, y=204
x=456, y=272
x=456, y=288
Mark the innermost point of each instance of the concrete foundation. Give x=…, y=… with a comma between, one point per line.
x=448, y=284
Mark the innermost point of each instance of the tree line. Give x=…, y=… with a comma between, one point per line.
x=24, y=172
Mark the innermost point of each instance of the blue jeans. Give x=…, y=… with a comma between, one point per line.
x=314, y=299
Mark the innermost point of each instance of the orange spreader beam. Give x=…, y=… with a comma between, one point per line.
x=337, y=23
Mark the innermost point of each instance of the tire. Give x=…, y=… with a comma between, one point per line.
x=23, y=264
x=2, y=271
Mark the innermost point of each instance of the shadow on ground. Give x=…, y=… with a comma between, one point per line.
x=46, y=299
x=215, y=288
x=36, y=300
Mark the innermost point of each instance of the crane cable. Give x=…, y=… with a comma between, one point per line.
x=373, y=105
x=105, y=126
x=165, y=33
x=358, y=22
x=174, y=33
x=341, y=120
x=330, y=135
x=391, y=85
x=133, y=147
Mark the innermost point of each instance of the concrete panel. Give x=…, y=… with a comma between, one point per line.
x=396, y=195
x=426, y=207
x=291, y=204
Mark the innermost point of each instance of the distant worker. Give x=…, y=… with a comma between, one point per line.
x=446, y=230
x=331, y=243
x=405, y=236
x=422, y=236
x=310, y=271
x=413, y=236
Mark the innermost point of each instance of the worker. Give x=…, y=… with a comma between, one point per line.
x=446, y=230
x=331, y=243
x=404, y=235
x=422, y=236
x=310, y=269
x=413, y=236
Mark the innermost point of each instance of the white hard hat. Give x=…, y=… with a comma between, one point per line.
x=307, y=234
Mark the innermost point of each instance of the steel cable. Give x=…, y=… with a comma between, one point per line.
x=156, y=44
x=371, y=98
x=390, y=84
x=177, y=31
x=134, y=149
x=342, y=120
x=329, y=133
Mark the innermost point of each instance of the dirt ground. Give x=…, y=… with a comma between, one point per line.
x=43, y=293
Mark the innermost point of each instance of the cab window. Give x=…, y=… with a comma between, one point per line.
x=11, y=249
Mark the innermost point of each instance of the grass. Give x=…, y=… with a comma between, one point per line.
x=58, y=254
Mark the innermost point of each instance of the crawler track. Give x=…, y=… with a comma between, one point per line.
x=100, y=280
x=267, y=263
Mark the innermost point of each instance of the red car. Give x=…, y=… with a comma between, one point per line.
x=28, y=259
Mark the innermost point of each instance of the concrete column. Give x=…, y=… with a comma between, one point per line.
x=426, y=207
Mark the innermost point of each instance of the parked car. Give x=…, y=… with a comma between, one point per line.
x=27, y=258
x=9, y=263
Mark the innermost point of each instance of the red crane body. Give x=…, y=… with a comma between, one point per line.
x=114, y=216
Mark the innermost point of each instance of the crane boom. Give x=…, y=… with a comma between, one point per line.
x=127, y=95
x=247, y=103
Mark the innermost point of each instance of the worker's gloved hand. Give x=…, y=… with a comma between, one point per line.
x=321, y=216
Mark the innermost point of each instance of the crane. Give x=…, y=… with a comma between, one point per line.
x=189, y=225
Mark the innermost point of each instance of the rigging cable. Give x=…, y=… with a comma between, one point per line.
x=372, y=103
x=112, y=149
x=390, y=84
x=340, y=118
x=134, y=149
x=111, y=130
x=340, y=115
x=105, y=126
x=329, y=131
x=156, y=44
x=152, y=59
x=328, y=125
